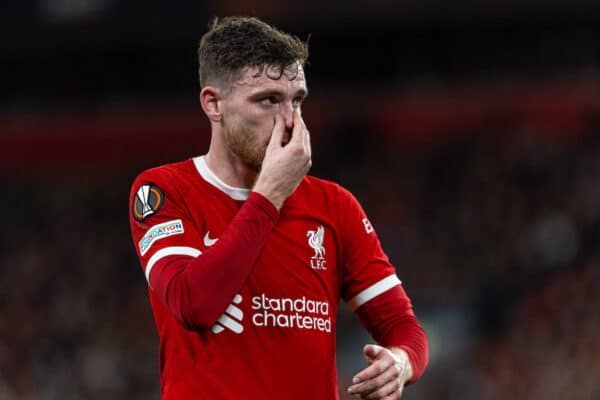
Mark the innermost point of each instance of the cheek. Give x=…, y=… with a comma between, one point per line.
x=254, y=120
x=250, y=116
x=261, y=122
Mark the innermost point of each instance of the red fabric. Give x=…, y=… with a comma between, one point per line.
x=287, y=276
x=198, y=290
x=390, y=319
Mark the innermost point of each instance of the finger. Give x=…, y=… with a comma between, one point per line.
x=277, y=132
x=391, y=389
x=395, y=395
x=372, y=351
x=299, y=131
x=307, y=145
x=370, y=385
x=376, y=368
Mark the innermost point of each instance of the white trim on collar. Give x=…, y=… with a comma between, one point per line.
x=210, y=177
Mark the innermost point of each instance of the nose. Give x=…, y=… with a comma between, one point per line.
x=287, y=113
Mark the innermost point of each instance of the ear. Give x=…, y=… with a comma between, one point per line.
x=210, y=97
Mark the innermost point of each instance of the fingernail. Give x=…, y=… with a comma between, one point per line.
x=355, y=380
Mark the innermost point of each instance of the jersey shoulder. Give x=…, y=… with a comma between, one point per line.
x=336, y=200
x=172, y=177
x=333, y=191
x=322, y=199
x=166, y=174
x=152, y=187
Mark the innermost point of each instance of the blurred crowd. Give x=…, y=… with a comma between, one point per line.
x=75, y=320
x=502, y=232
x=495, y=236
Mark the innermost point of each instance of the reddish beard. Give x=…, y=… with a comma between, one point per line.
x=245, y=145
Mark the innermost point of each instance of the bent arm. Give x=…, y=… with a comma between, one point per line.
x=198, y=290
x=390, y=319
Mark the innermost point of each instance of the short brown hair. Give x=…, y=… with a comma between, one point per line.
x=234, y=43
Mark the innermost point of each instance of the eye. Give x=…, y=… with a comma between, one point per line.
x=270, y=100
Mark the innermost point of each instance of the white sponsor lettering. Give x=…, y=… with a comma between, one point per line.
x=291, y=313
x=299, y=313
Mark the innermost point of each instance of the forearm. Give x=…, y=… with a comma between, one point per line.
x=392, y=323
x=409, y=336
x=197, y=291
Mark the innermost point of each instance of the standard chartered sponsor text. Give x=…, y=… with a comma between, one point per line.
x=299, y=313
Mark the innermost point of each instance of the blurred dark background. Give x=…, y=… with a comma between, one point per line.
x=468, y=129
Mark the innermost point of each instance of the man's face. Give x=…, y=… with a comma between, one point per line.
x=250, y=107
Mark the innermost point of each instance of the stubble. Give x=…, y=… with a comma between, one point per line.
x=245, y=145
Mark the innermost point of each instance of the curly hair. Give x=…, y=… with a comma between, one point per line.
x=234, y=43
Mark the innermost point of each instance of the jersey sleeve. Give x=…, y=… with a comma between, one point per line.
x=160, y=223
x=367, y=270
x=372, y=289
x=195, y=286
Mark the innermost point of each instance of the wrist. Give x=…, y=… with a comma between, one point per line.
x=270, y=195
x=261, y=202
x=403, y=362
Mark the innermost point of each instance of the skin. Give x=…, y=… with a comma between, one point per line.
x=260, y=141
x=388, y=372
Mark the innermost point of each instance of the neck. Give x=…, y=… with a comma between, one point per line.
x=227, y=166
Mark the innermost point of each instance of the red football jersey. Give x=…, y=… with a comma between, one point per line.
x=276, y=339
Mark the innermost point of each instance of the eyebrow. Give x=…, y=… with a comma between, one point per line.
x=275, y=92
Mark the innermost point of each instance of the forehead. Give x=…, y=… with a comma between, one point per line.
x=254, y=79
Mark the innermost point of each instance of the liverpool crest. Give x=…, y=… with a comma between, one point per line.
x=315, y=240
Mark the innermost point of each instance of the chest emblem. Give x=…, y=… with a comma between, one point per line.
x=315, y=241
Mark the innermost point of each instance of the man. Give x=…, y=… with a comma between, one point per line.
x=246, y=256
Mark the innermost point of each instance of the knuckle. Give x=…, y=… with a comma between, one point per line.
x=298, y=150
x=374, y=385
x=381, y=393
x=367, y=387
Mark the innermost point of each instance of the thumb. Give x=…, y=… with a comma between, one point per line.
x=371, y=351
x=277, y=132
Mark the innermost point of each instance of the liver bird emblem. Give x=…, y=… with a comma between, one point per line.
x=315, y=240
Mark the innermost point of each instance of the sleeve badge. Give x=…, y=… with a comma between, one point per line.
x=147, y=201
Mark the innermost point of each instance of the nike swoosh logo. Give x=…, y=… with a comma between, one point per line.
x=208, y=241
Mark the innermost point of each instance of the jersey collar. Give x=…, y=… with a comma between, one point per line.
x=210, y=177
